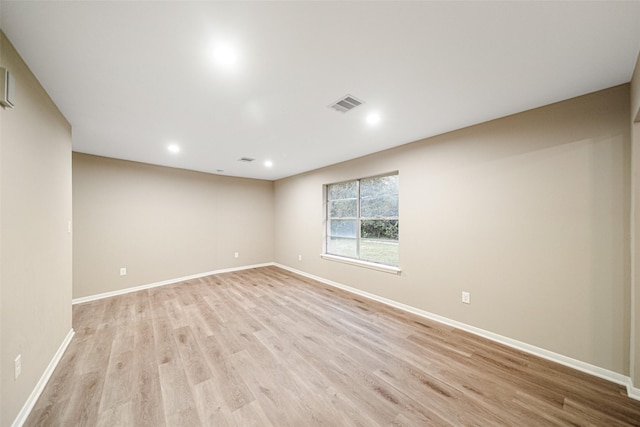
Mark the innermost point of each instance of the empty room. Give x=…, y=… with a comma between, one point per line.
x=336, y=213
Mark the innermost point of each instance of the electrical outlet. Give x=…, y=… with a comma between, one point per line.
x=466, y=297
x=123, y=271
x=18, y=366
x=299, y=257
x=236, y=255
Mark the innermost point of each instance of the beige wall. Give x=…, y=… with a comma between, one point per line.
x=529, y=213
x=635, y=224
x=35, y=196
x=162, y=223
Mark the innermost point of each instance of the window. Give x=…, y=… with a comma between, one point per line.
x=362, y=219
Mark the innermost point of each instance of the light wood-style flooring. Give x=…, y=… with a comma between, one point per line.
x=265, y=347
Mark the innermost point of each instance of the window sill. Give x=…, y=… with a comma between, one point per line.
x=365, y=264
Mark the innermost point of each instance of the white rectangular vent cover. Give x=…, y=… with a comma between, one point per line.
x=246, y=159
x=346, y=103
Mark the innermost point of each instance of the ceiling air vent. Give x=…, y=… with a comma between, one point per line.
x=346, y=103
x=246, y=159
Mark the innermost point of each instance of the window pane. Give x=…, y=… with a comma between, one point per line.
x=345, y=190
x=383, y=252
x=379, y=207
x=342, y=247
x=343, y=208
x=379, y=186
x=342, y=228
x=362, y=219
x=379, y=229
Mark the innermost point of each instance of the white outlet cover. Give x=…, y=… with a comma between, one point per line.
x=466, y=297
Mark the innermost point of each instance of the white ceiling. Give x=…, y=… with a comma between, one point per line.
x=133, y=77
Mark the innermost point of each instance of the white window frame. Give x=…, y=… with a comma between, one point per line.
x=348, y=260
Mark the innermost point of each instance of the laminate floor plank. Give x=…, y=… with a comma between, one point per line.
x=146, y=393
x=549, y=414
x=266, y=347
x=251, y=415
x=205, y=322
x=97, y=350
x=211, y=405
x=272, y=392
x=84, y=401
x=177, y=395
x=184, y=417
x=116, y=416
x=118, y=381
x=235, y=392
x=193, y=360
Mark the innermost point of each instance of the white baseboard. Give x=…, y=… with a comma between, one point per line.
x=163, y=283
x=632, y=391
x=44, y=379
x=588, y=368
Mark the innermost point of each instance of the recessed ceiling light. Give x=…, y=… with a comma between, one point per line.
x=268, y=163
x=373, y=118
x=225, y=55
x=174, y=148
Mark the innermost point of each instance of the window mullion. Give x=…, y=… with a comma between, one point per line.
x=358, y=225
x=327, y=224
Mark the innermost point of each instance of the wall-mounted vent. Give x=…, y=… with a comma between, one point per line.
x=246, y=159
x=346, y=103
